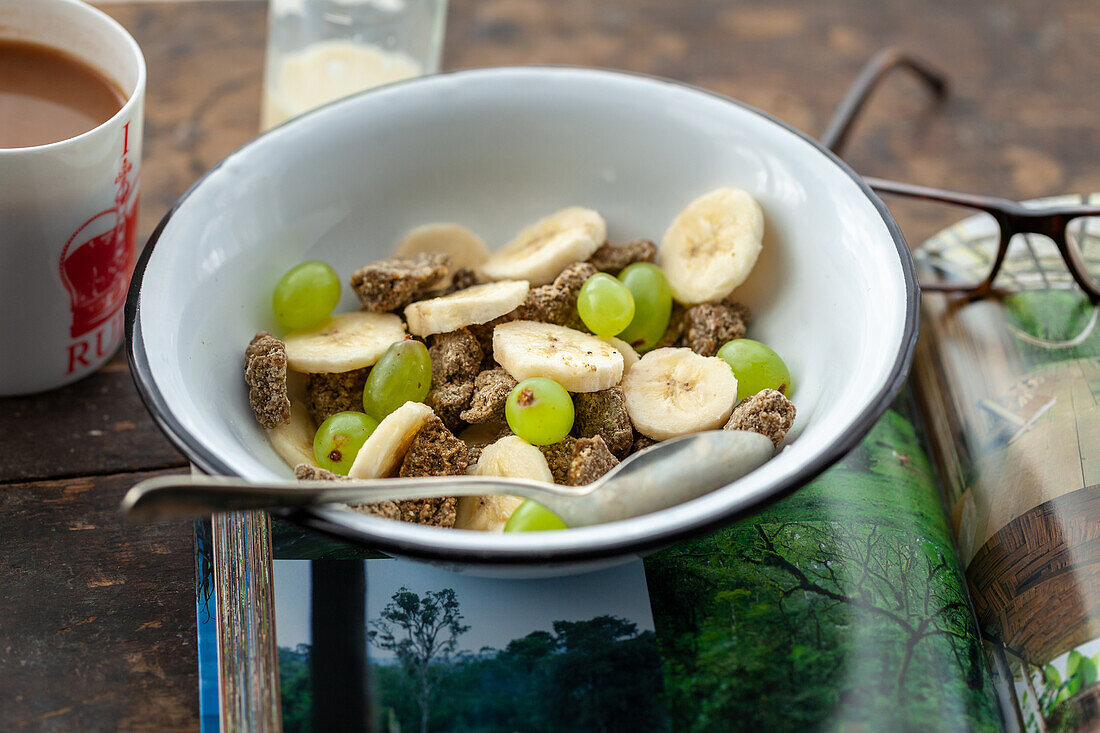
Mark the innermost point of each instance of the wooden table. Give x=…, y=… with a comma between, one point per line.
x=97, y=619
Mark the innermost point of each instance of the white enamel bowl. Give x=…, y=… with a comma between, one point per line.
x=495, y=149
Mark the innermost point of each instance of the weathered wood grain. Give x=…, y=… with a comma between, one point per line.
x=96, y=426
x=97, y=619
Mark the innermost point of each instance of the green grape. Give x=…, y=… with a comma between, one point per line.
x=305, y=296
x=539, y=410
x=339, y=438
x=403, y=374
x=533, y=517
x=652, y=305
x=605, y=305
x=756, y=367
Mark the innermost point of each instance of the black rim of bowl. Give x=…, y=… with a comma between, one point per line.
x=325, y=523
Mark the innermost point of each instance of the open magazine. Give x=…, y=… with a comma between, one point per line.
x=942, y=576
x=945, y=575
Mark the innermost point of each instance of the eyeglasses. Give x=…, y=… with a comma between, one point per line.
x=1042, y=231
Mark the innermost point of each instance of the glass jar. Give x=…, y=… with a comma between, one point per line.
x=322, y=50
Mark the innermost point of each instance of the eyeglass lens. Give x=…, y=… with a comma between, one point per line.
x=1083, y=240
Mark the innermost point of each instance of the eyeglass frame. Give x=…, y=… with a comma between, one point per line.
x=1012, y=217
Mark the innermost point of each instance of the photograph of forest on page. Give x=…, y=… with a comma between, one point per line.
x=841, y=606
x=1011, y=391
x=451, y=652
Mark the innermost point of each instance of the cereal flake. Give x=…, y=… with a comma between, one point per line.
x=450, y=400
x=614, y=257
x=591, y=460
x=710, y=325
x=604, y=413
x=767, y=412
x=265, y=374
x=327, y=394
x=433, y=512
x=435, y=451
x=491, y=388
x=306, y=472
x=390, y=284
x=456, y=357
x=559, y=456
x=557, y=302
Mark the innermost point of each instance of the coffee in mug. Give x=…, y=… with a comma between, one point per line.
x=72, y=88
x=48, y=95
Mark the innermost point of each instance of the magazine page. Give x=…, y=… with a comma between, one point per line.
x=842, y=606
x=1010, y=388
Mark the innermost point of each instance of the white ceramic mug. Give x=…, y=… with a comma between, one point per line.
x=68, y=212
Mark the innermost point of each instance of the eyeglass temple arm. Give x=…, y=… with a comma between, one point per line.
x=910, y=190
x=835, y=136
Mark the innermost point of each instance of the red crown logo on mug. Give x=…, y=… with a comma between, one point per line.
x=98, y=259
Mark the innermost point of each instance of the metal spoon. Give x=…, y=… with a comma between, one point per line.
x=658, y=477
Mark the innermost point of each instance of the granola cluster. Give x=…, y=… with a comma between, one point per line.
x=704, y=328
x=578, y=461
x=557, y=302
x=456, y=360
x=491, y=388
x=390, y=284
x=767, y=412
x=603, y=414
x=265, y=374
x=709, y=325
x=327, y=394
x=435, y=451
x=614, y=257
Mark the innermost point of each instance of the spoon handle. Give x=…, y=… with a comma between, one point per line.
x=192, y=497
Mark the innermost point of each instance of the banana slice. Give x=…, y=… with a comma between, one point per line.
x=513, y=457
x=465, y=248
x=577, y=361
x=674, y=391
x=712, y=245
x=630, y=356
x=293, y=441
x=510, y=457
x=386, y=446
x=485, y=513
x=543, y=249
x=346, y=341
x=479, y=304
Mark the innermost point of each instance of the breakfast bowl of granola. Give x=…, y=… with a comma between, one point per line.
x=527, y=273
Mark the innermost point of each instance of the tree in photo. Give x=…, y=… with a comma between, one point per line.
x=831, y=619
x=419, y=630
x=888, y=576
x=294, y=682
x=604, y=677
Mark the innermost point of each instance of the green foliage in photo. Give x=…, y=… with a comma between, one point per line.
x=1055, y=693
x=840, y=607
x=599, y=675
